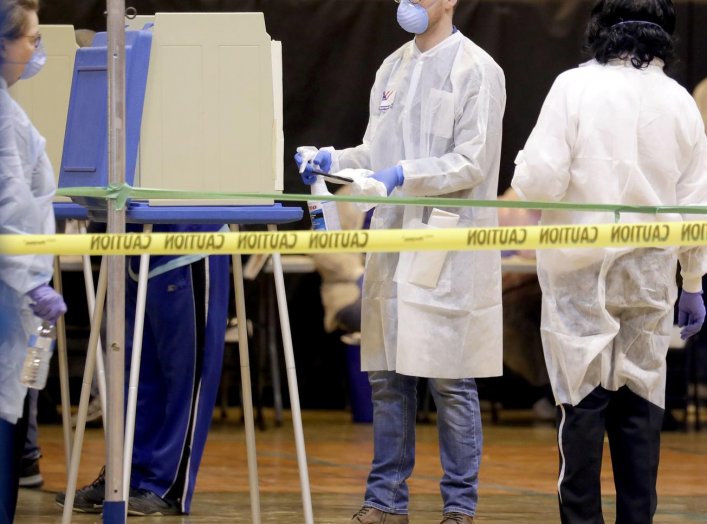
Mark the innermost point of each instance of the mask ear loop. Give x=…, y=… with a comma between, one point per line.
x=640, y=22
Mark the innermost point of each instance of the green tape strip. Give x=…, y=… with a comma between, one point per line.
x=121, y=193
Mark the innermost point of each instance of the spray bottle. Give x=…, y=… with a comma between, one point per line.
x=323, y=213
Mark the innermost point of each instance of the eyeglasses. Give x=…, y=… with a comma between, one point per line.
x=34, y=39
x=413, y=2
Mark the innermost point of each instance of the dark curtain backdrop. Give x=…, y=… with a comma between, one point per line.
x=332, y=48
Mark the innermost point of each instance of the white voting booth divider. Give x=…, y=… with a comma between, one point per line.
x=213, y=107
x=212, y=121
x=45, y=97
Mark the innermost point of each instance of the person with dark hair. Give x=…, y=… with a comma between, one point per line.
x=635, y=30
x=26, y=192
x=186, y=312
x=616, y=130
x=185, y=319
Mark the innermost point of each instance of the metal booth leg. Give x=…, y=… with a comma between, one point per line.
x=85, y=394
x=135, y=370
x=246, y=386
x=91, y=301
x=292, y=385
x=63, y=369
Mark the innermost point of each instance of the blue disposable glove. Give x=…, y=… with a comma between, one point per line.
x=47, y=303
x=321, y=162
x=391, y=177
x=691, y=313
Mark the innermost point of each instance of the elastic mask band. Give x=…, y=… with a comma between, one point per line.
x=642, y=22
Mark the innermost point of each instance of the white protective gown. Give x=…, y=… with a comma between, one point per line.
x=613, y=134
x=438, y=114
x=26, y=192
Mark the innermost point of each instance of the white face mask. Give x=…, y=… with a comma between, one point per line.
x=35, y=64
x=412, y=17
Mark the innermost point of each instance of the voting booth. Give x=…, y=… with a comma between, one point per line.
x=211, y=120
x=203, y=113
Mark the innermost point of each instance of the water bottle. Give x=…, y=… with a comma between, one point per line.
x=39, y=354
x=323, y=213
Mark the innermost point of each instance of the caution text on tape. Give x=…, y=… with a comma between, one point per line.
x=298, y=242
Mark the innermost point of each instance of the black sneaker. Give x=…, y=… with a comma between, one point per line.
x=88, y=499
x=144, y=502
x=30, y=477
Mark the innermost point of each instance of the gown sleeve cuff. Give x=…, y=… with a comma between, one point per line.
x=693, y=284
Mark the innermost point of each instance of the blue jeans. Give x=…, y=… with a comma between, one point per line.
x=460, y=441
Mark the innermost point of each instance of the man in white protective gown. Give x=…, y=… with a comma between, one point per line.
x=616, y=130
x=436, y=110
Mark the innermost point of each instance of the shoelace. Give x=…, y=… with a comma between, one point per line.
x=100, y=480
x=454, y=517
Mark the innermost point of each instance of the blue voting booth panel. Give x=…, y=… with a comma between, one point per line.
x=69, y=210
x=84, y=161
x=359, y=388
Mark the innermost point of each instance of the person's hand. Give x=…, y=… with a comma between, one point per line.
x=47, y=303
x=691, y=313
x=391, y=177
x=309, y=158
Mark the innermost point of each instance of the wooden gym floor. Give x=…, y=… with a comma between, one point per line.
x=517, y=479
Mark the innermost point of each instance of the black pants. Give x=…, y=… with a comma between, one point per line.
x=12, y=442
x=633, y=426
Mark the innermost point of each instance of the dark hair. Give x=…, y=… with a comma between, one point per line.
x=639, y=30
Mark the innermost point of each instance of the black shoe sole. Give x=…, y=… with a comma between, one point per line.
x=97, y=510
x=134, y=513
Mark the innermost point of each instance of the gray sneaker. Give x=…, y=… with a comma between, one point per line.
x=456, y=518
x=144, y=502
x=94, y=415
x=88, y=499
x=368, y=515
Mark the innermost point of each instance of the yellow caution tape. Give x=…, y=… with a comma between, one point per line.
x=392, y=240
